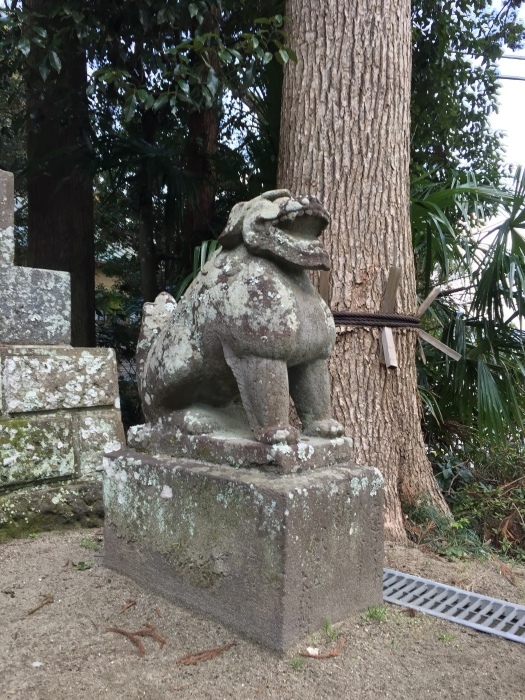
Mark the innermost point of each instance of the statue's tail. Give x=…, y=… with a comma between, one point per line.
x=155, y=317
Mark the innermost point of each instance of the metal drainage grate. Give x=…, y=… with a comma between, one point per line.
x=478, y=611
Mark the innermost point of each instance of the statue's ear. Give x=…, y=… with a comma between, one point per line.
x=272, y=195
x=232, y=234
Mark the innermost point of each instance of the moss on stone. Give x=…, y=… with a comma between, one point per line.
x=35, y=449
x=66, y=506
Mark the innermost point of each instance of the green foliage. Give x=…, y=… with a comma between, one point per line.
x=153, y=65
x=201, y=254
x=495, y=513
x=297, y=663
x=446, y=637
x=455, y=84
x=330, y=633
x=376, y=613
x=83, y=565
x=89, y=543
x=443, y=535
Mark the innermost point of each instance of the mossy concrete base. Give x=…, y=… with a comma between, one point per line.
x=270, y=555
x=64, y=506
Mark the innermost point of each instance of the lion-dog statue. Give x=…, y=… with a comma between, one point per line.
x=251, y=325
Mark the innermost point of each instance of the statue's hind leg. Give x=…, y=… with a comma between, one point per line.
x=310, y=391
x=171, y=372
x=263, y=386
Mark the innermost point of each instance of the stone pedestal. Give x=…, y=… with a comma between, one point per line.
x=270, y=555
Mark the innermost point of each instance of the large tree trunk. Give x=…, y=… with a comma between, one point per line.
x=60, y=188
x=345, y=138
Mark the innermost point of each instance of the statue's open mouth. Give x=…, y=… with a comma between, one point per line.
x=307, y=223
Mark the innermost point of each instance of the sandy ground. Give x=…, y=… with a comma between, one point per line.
x=63, y=651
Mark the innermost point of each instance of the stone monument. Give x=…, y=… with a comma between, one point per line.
x=58, y=405
x=222, y=504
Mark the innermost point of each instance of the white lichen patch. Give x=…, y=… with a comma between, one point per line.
x=281, y=448
x=7, y=245
x=377, y=482
x=167, y=492
x=305, y=451
x=50, y=379
x=358, y=486
x=100, y=432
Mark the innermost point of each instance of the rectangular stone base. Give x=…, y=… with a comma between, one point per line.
x=271, y=556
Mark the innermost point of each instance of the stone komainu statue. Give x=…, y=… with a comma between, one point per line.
x=250, y=326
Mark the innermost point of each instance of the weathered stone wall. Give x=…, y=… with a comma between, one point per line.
x=35, y=304
x=59, y=406
x=57, y=413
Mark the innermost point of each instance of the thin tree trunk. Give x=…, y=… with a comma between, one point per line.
x=345, y=138
x=146, y=230
x=201, y=148
x=60, y=187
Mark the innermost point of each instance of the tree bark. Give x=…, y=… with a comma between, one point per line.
x=345, y=139
x=60, y=187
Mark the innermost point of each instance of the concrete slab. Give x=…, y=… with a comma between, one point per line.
x=271, y=555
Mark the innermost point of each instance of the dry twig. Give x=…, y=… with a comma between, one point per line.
x=147, y=631
x=326, y=654
x=131, y=636
x=128, y=604
x=45, y=601
x=204, y=655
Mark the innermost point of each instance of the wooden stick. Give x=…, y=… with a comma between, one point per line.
x=389, y=349
x=388, y=354
x=324, y=285
x=439, y=345
x=428, y=301
x=389, y=300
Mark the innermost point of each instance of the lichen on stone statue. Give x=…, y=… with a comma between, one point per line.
x=250, y=331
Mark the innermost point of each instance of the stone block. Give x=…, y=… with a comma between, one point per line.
x=240, y=450
x=270, y=555
x=35, y=306
x=51, y=378
x=7, y=241
x=36, y=449
x=51, y=507
x=97, y=432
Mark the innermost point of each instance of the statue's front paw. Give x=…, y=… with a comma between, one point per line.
x=328, y=428
x=277, y=434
